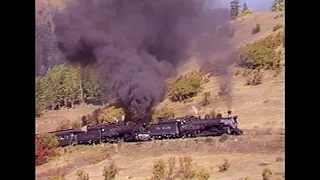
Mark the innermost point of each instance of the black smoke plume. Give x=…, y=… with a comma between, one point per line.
x=139, y=43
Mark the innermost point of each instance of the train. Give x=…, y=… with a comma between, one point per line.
x=180, y=127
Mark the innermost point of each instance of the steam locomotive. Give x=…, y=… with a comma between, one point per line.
x=181, y=127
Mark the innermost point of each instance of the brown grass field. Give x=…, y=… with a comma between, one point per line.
x=261, y=115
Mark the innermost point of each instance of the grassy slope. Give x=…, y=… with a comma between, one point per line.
x=260, y=109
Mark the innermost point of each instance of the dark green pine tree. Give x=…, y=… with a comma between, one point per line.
x=245, y=7
x=234, y=9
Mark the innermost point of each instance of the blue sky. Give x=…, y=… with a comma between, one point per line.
x=256, y=5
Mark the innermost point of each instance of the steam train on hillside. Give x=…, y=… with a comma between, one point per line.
x=181, y=127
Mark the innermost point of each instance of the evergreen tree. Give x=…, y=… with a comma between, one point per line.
x=245, y=7
x=71, y=85
x=67, y=84
x=234, y=9
x=92, y=84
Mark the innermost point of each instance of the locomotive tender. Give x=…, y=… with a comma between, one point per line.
x=181, y=127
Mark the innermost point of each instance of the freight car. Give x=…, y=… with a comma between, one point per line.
x=181, y=127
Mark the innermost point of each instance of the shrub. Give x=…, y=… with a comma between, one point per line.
x=186, y=87
x=169, y=171
x=42, y=154
x=64, y=124
x=244, y=13
x=277, y=5
x=94, y=117
x=203, y=175
x=49, y=141
x=102, y=115
x=82, y=175
x=171, y=168
x=205, y=99
x=256, y=29
x=110, y=172
x=255, y=78
x=277, y=27
x=162, y=112
x=110, y=114
x=225, y=166
x=159, y=170
x=170, y=82
x=46, y=145
x=76, y=124
x=262, y=53
x=186, y=169
x=246, y=72
x=266, y=174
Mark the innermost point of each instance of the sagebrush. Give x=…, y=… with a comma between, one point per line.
x=266, y=174
x=82, y=175
x=110, y=172
x=225, y=166
x=170, y=171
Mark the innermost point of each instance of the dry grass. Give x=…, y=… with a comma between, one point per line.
x=136, y=159
x=244, y=26
x=51, y=119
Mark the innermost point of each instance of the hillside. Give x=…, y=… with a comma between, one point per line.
x=261, y=114
x=257, y=94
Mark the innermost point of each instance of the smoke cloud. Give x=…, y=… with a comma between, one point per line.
x=139, y=43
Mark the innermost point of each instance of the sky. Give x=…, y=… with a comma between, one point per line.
x=255, y=5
